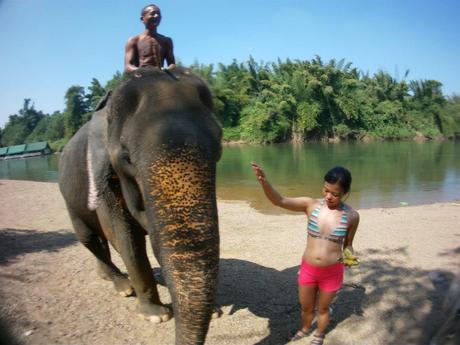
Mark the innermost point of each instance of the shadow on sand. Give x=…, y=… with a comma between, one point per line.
x=272, y=294
x=16, y=242
x=408, y=300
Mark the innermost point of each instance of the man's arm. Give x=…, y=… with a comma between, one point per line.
x=170, y=59
x=131, y=56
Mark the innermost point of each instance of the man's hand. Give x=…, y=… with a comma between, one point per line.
x=170, y=67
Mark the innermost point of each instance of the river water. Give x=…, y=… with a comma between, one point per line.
x=385, y=174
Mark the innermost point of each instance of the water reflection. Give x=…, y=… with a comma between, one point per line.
x=384, y=173
x=43, y=168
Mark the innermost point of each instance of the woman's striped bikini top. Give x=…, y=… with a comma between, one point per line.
x=337, y=234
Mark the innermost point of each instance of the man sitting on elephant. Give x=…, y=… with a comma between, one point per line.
x=149, y=48
x=146, y=49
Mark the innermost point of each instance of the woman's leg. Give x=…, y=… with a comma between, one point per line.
x=324, y=301
x=307, y=299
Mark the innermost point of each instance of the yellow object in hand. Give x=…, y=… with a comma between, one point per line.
x=349, y=259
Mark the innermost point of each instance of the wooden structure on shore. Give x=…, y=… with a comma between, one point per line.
x=25, y=150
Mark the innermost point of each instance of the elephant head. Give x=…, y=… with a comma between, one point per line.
x=158, y=136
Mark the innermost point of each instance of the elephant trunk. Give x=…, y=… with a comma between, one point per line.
x=184, y=235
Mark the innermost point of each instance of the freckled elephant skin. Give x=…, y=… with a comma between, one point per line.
x=186, y=218
x=145, y=164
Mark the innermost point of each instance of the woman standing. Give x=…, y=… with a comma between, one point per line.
x=331, y=228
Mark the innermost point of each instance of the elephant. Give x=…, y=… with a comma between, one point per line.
x=145, y=164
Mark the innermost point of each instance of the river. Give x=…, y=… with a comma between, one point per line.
x=385, y=174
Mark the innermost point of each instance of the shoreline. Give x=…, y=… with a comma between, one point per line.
x=273, y=210
x=337, y=140
x=391, y=297
x=453, y=202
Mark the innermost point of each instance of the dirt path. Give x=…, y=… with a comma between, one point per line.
x=50, y=293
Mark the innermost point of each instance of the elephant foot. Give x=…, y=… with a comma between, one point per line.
x=123, y=286
x=154, y=313
x=216, y=312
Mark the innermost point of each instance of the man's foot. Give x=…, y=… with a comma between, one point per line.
x=317, y=339
x=299, y=335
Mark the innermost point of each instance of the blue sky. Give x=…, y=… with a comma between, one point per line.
x=50, y=45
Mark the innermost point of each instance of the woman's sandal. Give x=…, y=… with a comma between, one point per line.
x=317, y=340
x=299, y=335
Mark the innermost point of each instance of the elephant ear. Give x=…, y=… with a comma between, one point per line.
x=97, y=157
x=103, y=101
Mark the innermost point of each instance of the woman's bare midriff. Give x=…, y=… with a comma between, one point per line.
x=321, y=252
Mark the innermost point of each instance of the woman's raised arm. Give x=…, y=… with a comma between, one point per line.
x=293, y=204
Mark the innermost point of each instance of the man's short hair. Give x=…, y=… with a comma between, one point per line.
x=145, y=7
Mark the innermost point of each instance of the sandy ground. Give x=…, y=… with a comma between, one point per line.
x=50, y=292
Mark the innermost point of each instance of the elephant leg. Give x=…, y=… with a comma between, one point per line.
x=129, y=240
x=97, y=245
x=107, y=237
x=100, y=267
x=107, y=273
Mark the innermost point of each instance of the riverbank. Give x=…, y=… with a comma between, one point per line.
x=51, y=294
x=418, y=137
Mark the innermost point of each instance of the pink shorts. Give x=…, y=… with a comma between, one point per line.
x=328, y=278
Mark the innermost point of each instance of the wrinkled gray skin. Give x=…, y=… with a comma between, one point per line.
x=145, y=164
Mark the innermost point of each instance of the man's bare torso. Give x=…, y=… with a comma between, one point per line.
x=151, y=50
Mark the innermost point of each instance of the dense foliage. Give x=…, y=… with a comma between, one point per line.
x=278, y=102
x=30, y=125
x=312, y=100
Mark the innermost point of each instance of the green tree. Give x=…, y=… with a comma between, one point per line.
x=428, y=108
x=50, y=128
x=76, y=108
x=453, y=112
x=40, y=131
x=273, y=102
x=20, y=126
x=15, y=132
x=56, y=126
x=30, y=116
x=95, y=94
x=204, y=71
x=116, y=80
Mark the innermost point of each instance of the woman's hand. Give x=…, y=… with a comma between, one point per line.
x=349, y=258
x=260, y=175
x=292, y=204
x=350, y=248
